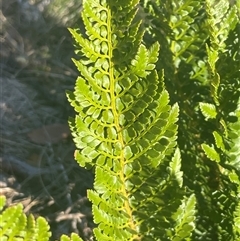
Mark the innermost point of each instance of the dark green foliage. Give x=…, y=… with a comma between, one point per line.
x=204, y=78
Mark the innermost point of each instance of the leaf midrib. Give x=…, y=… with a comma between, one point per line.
x=113, y=98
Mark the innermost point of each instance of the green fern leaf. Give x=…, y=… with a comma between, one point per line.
x=219, y=141
x=185, y=217
x=125, y=127
x=211, y=153
x=208, y=110
x=234, y=135
x=224, y=126
x=185, y=23
x=16, y=226
x=222, y=19
x=234, y=178
x=65, y=238
x=215, y=80
x=30, y=228
x=237, y=219
x=145, y=60
x=9, y=217
x=175, y=167
x=42, y=229
x=234, y=161
x=2, y=202
x=185, y=60
x=74, y=237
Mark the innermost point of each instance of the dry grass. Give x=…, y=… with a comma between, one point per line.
x=36, y=69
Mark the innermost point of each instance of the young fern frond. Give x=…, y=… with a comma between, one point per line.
x=16, y=226
x=125, y=127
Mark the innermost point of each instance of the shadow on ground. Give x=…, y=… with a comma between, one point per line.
x=37, y=165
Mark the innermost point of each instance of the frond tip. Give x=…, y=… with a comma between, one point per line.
x=185, y=217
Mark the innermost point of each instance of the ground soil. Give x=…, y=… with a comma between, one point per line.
x=37, y=167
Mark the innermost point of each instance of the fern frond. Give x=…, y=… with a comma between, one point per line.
x=31, y=229
x=234, y=135
x=226, y=153
x=221, y=20
x=10, y=219
x=237, y=219
x=200, y=48
x=42, y=229
x=185, y=217
x=125, y=127
x=183, y=24
x=15, y=225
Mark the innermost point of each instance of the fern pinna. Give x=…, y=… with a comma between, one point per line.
x=126, y=130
